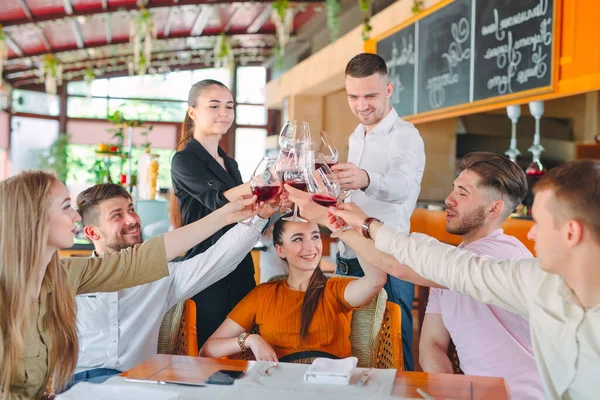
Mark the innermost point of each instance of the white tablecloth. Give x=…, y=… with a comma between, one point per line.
x=283, y=383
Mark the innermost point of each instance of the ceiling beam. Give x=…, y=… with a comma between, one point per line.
x=168, y=23
x=13, y=45
x=108, y=28
x=183, y=35
x=260, y=20
x=25, y=10
x=101, y=62
x=105, y=7
x=204, y=14
x=68, y=7
x=77, y=34
x=236, y=8
x=22, y=77
x=43, y=38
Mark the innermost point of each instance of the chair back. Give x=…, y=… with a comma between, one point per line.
x=187, y=339
x=169, y=329
x=365, y=327
x=389, y=352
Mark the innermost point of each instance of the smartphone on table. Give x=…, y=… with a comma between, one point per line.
x=224, y=377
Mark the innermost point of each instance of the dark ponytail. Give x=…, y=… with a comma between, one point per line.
x=316, y=285
x=187, y=128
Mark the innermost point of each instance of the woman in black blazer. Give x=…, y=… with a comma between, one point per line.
x=204, y=179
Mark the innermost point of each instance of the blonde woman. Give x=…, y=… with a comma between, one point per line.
x=38, y=334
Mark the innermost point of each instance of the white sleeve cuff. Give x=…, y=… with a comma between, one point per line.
x=257, y=222
x=373, y=188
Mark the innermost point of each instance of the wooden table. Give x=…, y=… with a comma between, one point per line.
x=440, y=386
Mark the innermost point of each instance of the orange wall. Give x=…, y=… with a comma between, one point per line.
x=433, y=223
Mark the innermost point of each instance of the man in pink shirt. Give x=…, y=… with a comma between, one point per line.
x=489, y=340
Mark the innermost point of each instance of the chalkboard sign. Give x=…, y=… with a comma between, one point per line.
x=444, y=57
x=470, y=50
x=399, y=53
x=513, y=46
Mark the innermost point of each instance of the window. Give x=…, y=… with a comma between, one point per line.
x=251, y=83
x=149, y=110
x=171, y=86
x=98, y=88
x=250, y=145
x=251, y=115
x=222, y=75
x=84, y=107
x=28, y=101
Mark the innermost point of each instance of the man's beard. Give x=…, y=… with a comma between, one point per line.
x=117, y=245
x=469, y=223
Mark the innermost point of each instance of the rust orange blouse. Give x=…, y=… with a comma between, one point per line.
x=276, y=309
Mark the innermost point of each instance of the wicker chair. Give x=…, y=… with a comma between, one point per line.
x=453, y=355
x=169, y=330
x=375, y=335
x=187, y=337
x=389, y=351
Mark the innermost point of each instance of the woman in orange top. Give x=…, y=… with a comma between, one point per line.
x=305, y=315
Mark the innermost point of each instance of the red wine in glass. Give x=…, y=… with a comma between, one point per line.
x=264, y=193
x=298, y=185
x=319, y=165
x=325, y=201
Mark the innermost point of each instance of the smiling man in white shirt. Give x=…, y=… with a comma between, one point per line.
x=119, y=330
x=559, y=292
x=386, y=160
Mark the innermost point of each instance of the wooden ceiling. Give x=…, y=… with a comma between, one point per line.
x=94, y=34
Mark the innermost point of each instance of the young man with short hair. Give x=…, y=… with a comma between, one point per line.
x=489, y=340
x=119, y=330
x=558, y=292
x=385, y=165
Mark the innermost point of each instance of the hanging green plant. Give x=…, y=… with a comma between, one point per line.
x=417, y=6
x=223, y=53
x=365, y=7
x=88, y=76
x=141, y=33
x=282, y=17
x=51, y=73
x=333, y=18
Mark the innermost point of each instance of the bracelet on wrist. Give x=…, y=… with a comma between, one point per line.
x=365, y=229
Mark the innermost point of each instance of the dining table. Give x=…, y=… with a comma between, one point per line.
x=406, y=385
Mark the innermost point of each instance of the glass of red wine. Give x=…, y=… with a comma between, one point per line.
x=265, y=183
x=326, y=191
x=295, y=175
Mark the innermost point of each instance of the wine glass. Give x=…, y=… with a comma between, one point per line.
x=326, y=191
x=265, y=182
x=281, y=165
x=326, y=152
x=294, y=132
x=295, y=175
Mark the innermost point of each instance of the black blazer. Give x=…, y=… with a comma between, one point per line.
x=198, y=183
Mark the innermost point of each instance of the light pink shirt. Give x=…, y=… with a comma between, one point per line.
x=489, y=340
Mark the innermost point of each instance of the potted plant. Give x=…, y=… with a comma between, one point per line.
x=59, y=158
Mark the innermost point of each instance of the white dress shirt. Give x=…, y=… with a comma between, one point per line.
x=393, y=155
x=565, y=336
x=120, y=330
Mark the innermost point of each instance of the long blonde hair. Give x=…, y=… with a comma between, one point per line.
x=25, y=201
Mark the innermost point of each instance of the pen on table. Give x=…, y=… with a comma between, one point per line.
x=163, y=382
